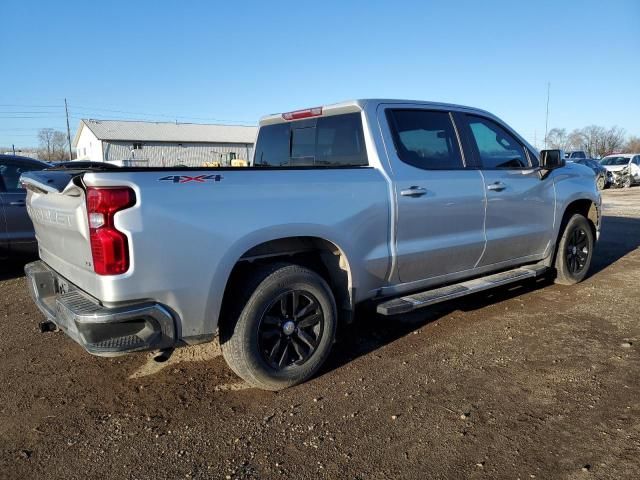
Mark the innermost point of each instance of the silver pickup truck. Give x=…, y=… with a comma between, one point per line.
x=401, y=204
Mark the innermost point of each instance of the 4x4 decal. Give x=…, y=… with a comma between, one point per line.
x=189, y=178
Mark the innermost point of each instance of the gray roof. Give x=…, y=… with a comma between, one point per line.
x=167, y=132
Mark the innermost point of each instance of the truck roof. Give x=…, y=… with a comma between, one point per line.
x=349, y=106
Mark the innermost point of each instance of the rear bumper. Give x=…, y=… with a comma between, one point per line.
x=100, y=330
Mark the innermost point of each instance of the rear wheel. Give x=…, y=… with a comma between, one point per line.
x=575, y=250
x=285, y=329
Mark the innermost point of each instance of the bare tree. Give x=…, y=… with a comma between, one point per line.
x=53, y=144
x=597, y=141
x=613, y=140
x=45, y=137
x=60, y=151
x=557, y=138
x=633, y=145
x=593, y=140
x=576, y=140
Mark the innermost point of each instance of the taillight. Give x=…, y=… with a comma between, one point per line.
x=109, y=246
x=306, y=113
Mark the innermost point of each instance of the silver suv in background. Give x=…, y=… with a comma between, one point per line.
x=393, y=202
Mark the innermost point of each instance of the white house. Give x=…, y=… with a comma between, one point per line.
x=163, y=144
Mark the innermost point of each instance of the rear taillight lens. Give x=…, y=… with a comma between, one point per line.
x=109, y=246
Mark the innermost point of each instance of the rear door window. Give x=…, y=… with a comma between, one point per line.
x=333, y=141
x=497, y=148
x=425, y=139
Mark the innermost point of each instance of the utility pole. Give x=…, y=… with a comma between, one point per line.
x=66, y=109
x=13, y=147
x=546, y=123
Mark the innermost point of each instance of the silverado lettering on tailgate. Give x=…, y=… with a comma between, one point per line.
x=50, y=216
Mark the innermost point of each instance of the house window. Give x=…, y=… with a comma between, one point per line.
x=137, y=146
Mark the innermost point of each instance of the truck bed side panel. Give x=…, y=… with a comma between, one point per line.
x=185, y=237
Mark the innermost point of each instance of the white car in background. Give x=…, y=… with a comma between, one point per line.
x=625, y=168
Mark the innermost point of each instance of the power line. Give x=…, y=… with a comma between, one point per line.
x=93, y=111
x=18, y=112
x=31, y=117
x=22, y=129
x=22, y=105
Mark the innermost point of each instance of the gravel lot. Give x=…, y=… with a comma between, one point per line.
x=533, y=380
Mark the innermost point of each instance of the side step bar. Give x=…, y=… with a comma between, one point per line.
x=415, y=301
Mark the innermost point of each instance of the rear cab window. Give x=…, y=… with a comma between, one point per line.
x=331, y=141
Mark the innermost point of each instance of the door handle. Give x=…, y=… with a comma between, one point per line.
x=496, y=187
x=18, y=203
x=413, y=191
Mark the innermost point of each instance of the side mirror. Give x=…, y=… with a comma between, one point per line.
x=551, y=159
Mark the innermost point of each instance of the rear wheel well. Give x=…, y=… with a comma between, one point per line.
x=317, y=254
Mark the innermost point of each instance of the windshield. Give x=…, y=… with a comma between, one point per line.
x=614, y=161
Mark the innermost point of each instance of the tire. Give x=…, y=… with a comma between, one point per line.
x=601, y=182
x=575, y=251
x=270, y=343
x=627, y=182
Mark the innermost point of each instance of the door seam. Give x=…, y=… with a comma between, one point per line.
x=484, y=222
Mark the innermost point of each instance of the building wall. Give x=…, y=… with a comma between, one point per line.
x=89, y=147
x=167, y=154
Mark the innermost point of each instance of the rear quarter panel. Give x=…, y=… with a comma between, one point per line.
x=185, y=238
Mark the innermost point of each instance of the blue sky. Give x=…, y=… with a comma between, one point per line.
x=216, y=62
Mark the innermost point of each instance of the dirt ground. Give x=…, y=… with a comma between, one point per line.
x=536, y=380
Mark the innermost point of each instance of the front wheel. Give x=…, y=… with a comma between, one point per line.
x=575, y=250
x=627, y=182
x=284, y=331
x=601, y=182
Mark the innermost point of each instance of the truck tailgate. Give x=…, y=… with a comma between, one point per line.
x=56, y=205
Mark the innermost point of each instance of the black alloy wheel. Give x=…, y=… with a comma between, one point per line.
x=280, y=327
x=290, y=329
x=577, y=250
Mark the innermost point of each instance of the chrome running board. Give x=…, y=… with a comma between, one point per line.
x=418, y=300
